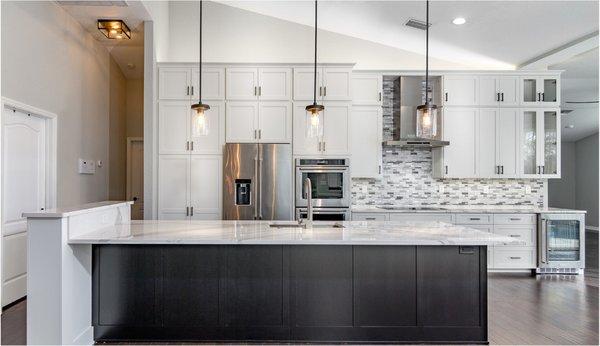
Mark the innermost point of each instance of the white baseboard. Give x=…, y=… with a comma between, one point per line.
x=591, y=229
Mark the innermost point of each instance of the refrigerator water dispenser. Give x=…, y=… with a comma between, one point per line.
x=242, y=191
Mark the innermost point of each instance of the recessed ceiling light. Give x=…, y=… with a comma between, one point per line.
x=459, y=21
x=570, y=126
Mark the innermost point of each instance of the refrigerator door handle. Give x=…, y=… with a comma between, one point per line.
x=259, y=187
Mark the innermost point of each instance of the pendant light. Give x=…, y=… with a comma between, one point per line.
x=314, y=121
x=200, y=124
x=427, y=113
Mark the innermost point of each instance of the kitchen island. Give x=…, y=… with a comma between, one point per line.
x=122, y=280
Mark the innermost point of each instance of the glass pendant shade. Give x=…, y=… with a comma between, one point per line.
x=427, y=121
x=200, y=123
x=314, y=121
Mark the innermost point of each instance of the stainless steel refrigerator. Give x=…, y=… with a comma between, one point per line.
x=257, y=182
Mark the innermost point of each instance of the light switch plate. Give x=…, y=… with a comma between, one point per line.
x=87, y=166
x=486, y=189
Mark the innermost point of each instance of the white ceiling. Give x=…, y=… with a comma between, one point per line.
x=497, y=35
x=125, y=52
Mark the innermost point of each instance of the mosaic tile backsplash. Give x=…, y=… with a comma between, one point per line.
x=407, y=181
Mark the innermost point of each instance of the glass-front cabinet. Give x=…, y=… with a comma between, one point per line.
x=540, y=91
x=540, y=145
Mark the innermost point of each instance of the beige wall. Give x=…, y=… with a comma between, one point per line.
x=49, y=61
x=117, y=133
x=135, y=107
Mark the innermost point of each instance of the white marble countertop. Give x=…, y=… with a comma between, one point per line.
x=259, y=232
x=74, y=210
x=461, y=210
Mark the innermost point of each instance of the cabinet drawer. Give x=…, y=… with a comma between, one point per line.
x=475, y=219
x=514, y=258
x=525, y=233
x=449, y=218
x=370, y=217
x=514, y=219
x=484, y=228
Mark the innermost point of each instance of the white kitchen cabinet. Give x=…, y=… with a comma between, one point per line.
x=370, y=216
x=461, y=90
x=457, y=160
x=539, y=143
x=173, y=127
x=420, y=217
x=514, y=258
x=366, y=137
x=174, y=83
x=173, y=183
x=213, y=84
x=275, y=122
x=333, y=83
x=205, y=187
x=498, y=140
x=241, y=122
x=213, y=142
x=540, y=91
x=498, y=91
x=336, y=131
x=241, y=83
x=367, y=89
x=507, y=124
x=275, y=83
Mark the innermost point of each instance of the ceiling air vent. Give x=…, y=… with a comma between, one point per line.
x=417, y=24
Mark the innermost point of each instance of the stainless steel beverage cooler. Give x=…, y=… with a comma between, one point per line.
x=561, y=243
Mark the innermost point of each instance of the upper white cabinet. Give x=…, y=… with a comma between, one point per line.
x=366, y=137
x=457, y=160
x=181, y=83
x=367, y=89
x=461, y=90
x=539, y=143
x=540, y=91
x=336, y=131
x=497, y=137
x=333, y=83
x=249, y=83
x=264, y=122
x=212, y=143
x=498, y=91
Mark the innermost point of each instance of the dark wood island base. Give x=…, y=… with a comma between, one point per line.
x=290, y=293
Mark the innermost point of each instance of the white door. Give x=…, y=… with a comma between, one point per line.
x=23, y=189
x=173, y=183
x=367, y=89
x=174, y=83
x=302, y=144
x=487, y=150
x=213, y=142
x=213, y=84
x=241, y=122
x=275, y=122
x=508, y=87
x=461, y=90
x=173, y=127
x=241, y=83
x=366, y=136
x=135, y=177
x=337, y=83
x=460, y=129
x=488, y=91
x=205, y=187
x=303, y=83
x=507, y=143
x=275, y=83
x=336, y=128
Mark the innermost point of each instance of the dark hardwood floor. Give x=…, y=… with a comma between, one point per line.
x=538, y=310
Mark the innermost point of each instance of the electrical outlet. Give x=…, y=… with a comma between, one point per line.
x=87, y=166
x=486, y=189
x=527, y=189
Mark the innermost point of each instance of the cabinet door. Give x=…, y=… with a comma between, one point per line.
x=550, y=89
x=367, y=89
x=507, y=142
x=489, y=94
x=205, y=187
x=213, y=142
x=508, y=87
x=487, y=148
x=551, y=142
x=173, y=183
x=461, y=90
x=336, y=128
x=275, y=122
x=366, y=137
x=530, y=91
x=529, y=142
x=336, y=83
x=459, y=129
x=173, y=127
x=241, y=122
x=302, y=144
x=303, y=83
x=174, y=83
x=213, y=83
x=242, y=83
x=275, y=83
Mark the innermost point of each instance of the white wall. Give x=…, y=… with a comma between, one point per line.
x=49, y=61
x=159, y=11
x=117, y=133
x=561, y=192
x=586, y=172
x=234, y=35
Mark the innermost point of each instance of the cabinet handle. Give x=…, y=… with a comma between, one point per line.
x=502, y=97
x=192, y=90
x=515, y=257
x=497, y=169
x=187, y=145
x=502, y=169
x=380, y=96
x=543, y=98
x=320, y=91
x=191, y=211
x=370, y=218
x=475, y=218
x=498, y=97
x=515, y=236
x=255, y=135
x=446, y=96
x=539, y=96
x=379, y=169
x=324, y=146
x=324, y=91
x=187, y=211
x=543, y=169
x=259, y=133
x=515, y=219
x=259, y=91
x=187, y=92
x=319, y=146
x=255, y=91
x=192, y=145
x=446, y=169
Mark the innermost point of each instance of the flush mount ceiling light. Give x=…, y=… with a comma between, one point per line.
x=114, y=29
x=427, y=113
x=314, y=123
x=459, y=21
x=200, y=124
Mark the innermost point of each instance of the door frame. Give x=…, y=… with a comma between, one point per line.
x=130, y=141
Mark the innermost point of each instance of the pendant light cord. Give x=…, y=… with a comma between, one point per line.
x=200, y=59
x=427, y=55
x=315, y=71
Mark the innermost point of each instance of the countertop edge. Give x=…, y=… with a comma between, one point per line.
x=58, y=213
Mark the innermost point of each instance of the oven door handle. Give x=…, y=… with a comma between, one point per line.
x=324, y=169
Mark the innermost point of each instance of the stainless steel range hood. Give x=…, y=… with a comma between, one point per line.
x=408, y=93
